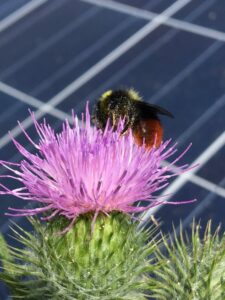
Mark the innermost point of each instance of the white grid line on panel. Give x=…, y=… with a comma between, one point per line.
x=172, y=22
x=195, y=213
x=27, y=99
x=20, y=13
x=202, y=182
x=178, y=183
x=198, y=210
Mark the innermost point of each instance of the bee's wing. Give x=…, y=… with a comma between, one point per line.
x=147, y=109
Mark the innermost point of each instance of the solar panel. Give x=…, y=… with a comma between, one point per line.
x=56, y=55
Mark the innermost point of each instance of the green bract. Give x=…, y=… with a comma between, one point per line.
x=110, y=262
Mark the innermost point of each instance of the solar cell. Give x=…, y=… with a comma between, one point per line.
x=213, y=17
x=214, y=170
x=8, y=7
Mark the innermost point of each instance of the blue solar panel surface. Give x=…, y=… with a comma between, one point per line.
x=64, y=53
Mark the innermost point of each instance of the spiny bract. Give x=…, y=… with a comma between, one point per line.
x=110, y=263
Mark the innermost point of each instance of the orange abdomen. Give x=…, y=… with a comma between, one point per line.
x=149, y=132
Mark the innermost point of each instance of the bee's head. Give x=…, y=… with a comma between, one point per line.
x=115, y=104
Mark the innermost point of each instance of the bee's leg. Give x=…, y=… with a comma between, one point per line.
x=131, y=120
x=126, y=127
x=114, y=121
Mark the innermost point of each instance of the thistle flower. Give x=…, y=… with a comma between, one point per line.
x=83, y=169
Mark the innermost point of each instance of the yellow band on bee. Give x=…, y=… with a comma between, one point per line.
x=105, y=95
x=134, y=95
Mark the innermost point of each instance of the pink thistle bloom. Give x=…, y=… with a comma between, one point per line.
x=83, y=169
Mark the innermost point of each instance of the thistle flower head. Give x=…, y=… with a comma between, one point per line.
x=83, y=169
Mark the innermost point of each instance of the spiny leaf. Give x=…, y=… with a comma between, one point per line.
x=190, y=269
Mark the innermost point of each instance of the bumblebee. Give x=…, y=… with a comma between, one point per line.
x=140, y=116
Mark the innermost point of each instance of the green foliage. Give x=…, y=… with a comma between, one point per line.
x=110, y=263
x=114, y=262
x=191, y=269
